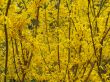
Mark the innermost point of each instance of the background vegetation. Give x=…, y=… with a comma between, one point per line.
x=54, y=41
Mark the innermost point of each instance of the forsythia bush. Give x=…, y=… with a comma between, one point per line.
x=54, y=40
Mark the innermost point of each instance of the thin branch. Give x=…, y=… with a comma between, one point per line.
x=101, y=42
x=92, y=66
x=15, y=60
x=91, y=30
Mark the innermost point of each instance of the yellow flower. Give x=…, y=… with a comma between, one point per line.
x=1, y=33
x=1, y=2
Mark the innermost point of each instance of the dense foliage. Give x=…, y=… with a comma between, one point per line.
x=55, y=40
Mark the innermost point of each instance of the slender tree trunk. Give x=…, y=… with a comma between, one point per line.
x=6, y=40
x=46, y=31
x=37, y=21
x=58, y=47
